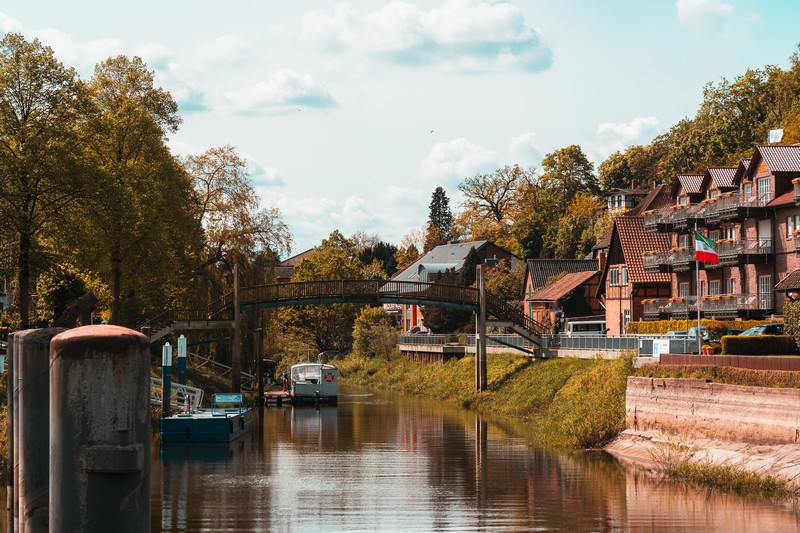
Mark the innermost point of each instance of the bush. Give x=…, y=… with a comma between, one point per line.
x=759, y=345
x=655, y=327
x=373, y=333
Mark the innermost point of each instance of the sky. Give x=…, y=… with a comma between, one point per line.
x=351, y=113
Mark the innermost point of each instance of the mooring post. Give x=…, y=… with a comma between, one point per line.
x=257, y=349
x=182, y=360
x=236, y=356
x=166, y=380
x=11, y=404
x=480, y=334
x=33, y=431
x=100, y=430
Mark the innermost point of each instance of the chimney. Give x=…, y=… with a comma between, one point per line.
x=601, y=261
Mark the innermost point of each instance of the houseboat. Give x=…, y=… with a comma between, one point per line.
x=313, y=382
x=225, y=421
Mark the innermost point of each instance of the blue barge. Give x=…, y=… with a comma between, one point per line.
x=215, y=425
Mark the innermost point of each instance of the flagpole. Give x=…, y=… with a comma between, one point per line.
x=697, y=285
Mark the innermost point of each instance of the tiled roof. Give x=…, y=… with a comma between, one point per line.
x=634, y=240
x=563, y=286
x=284, y=272
x=452, y=255
x=691, y=183
x=660, y=196
x=781, y=157
x=540, y=270
x=604, y=242
x=741, y=171
x=722, y=176
x=791, y=281
x=783, y=199
x=295, y=259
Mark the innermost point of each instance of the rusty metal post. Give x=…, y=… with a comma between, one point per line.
x=100, y=430
x=236, y=357
x=33, y=430
x=166, y=380
x=258, y=348
x=480, y=337
x=11, y=435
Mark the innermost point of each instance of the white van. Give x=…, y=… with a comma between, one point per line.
x=586, y=327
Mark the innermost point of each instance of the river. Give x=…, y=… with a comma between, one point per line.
x=389, y=463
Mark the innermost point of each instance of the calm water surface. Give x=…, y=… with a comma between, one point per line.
x=387, y=463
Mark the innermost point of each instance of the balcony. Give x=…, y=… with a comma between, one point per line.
x=743, y=252
x=656, y=308
x=732, y=206
x=683, y=259
x=656, y=261
x=681, y=307
x=796, y=185
x=686, y=216
x=736, y=305
x=658, y=220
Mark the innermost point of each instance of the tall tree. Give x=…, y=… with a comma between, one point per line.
x=570, y=171
x=614, y=172
x=237, y=229
x=39, y=102
x=145, y=193
x=440, y=220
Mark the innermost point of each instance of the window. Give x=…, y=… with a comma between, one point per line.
x=789, y=226
x=683, y=241
x=683, y=289
x=683, y=200
x=713, y=193
x=714, y=235
x=703, y=288
x=613, y=277
x=747, y=191
x=624, y=276
x=730, y=233
x=626, y=317
x=764, y=190
x=765, y=292
x=713, y=287
x=731, y=286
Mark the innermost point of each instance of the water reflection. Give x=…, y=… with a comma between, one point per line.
x=389, y=464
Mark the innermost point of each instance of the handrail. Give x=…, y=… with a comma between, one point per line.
x=182, y=395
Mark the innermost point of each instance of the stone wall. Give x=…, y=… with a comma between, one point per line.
x=692, y=408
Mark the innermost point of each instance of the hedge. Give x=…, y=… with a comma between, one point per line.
x=759, y=345
x=654, y=327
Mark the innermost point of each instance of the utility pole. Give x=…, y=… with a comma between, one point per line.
x=236, y=356
x=480, y=333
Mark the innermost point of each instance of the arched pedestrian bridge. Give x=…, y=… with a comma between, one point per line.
x=327, y=292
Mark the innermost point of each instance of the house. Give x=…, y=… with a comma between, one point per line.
x=624, y=284
x=751, y=214
x=571, y=295
x=621, y=200
x=285, y=269
x=447, y=257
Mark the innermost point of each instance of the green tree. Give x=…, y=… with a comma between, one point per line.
x=573, y=236
x=614, y=172
x=327, y=327
x=39, y=150
x=440, y=220
x=506, y=283
x=382, y=252
x=569, y=171
x=374, y=334
x=143, y=230
x=57, y=288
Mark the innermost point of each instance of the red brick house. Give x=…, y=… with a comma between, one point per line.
x=572, y=295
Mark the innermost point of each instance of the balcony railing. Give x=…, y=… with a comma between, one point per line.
x=659, y=220
x=656, y=308
x=739, y=252
x=732, y=205
x=656, y=261
x=687, y=215
x=683, y=258
x=733, y=305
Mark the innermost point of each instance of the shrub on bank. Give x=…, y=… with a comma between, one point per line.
x=759, y=345
x=656, y=327
x=729, y=478
x=723, y=374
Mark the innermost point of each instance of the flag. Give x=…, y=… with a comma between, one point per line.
x=704, y=249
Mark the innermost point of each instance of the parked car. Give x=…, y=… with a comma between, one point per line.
x=703, y=333
x=677, y=334
x=764, y=329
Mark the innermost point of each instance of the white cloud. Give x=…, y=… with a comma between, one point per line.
x=707, y=17
x=8, y=24
x=282, y=88
x=451, y=162
x=81, y=55
x=467, y=35
x=614, y=136
x=227, y=49
x=523, y=150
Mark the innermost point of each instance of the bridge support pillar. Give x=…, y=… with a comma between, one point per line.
x=100, y=430
x=258, y=348
x=480, y=332
x=236, y=356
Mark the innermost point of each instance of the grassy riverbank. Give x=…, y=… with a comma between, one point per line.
x=576, y=403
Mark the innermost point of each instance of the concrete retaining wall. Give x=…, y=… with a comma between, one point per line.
x=693, y=408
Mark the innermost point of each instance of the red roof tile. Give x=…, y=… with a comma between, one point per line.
x=781, y=157
x=722, y=176
x=691, y=183
x=791, y=281
x=604, y=242
x=563, y=286
x=660, y=196
x=783, y=199
x=634, y=240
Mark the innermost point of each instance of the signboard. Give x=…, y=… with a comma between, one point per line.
x=227, y=398
x=660, y=346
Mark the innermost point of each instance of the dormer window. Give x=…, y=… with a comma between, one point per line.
x=683, y=200
x=747, y=190
x=713, y=193
x=764, y=190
